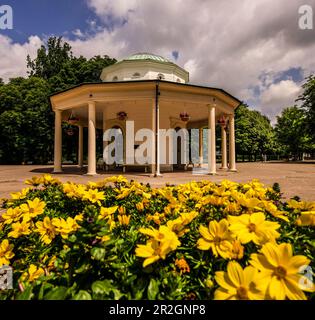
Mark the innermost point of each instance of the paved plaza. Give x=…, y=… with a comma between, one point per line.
x=294, y=178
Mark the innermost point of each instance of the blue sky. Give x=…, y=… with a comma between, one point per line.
x=252, y=49
x=47, y=17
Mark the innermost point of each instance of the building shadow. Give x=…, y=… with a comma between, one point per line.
x=75, y=170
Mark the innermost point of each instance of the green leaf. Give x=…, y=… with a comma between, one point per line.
x=153, y=289
x=27, y=294
x=117, y=294
x=58, y=293
x=98, y=253
x=102, y=287
x=82, y=295
x=44, y=288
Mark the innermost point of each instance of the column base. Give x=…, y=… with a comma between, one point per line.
x=91, y=174
x=57, y=171
x=211, y=173
x=232, y=170
x=223, y=168
x=157, y=175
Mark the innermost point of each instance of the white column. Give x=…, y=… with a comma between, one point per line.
x=104, y=129
x=80, y=147
x=153, y=138
x=232, y=165
x=200, y=146
x=223, y=147
x=157, y=169
x=211, y=141
x=91, y=140
x=58, y=142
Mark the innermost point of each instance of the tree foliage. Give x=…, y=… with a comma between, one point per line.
x=26, y=118
x=254, y=134
x=308, y=104
x=291, y=131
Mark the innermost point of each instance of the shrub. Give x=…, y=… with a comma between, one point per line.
x=116, y=239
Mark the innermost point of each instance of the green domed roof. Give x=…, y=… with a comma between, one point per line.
x=146, y=56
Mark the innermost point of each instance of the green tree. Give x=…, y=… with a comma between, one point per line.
x=292, y=133
x=26, y=121
x=50, y=58
x=26, y=118
x=254, y=135
x=308, y=104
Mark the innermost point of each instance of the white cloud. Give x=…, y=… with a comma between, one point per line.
x=78, y=33
x=279, y=95
x=13, y=56
x=236, y=45
x=116, y=8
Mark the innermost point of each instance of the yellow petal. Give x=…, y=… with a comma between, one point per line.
x=235, y=273
x=276, y=289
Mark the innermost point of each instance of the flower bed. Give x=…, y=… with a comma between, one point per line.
x=117, y=239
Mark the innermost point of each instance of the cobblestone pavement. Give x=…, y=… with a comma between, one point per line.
x=294, y=178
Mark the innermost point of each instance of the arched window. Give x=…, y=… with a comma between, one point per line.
x=136, y=75
x=161, y=76
x=115, y=78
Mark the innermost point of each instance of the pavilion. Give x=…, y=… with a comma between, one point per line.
x=155, y=93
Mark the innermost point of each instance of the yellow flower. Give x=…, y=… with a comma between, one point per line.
x=34, y=181
x=20, y=229
x=178, y=225
x=232, y=208
x=122, y=210
x=20, y=195
x=249, y=204
x=306, y=218
x=47, y=179
x=272, y=208
x=12, y=215
x=279, y=269
x=216, y=237
x=6, y=253
x=79, y=217
x=51, y=263
x=124, y=219
x=105, y=213
x=237, y=284
x=94, y=196
x=92, y=185
x=209, y=283
x=236, y=250
x=116, y=179
x=46, y=229
x=140, y=206
x=182, y=265
x=301, y=205
x=33, y=208
x=105, y=238
x=253, y=227
x=65, y=227
x=163, y=242
x=73, y=190
x=123, y=193
x=33, y=273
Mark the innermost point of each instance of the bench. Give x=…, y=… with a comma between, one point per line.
x=145, y=166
